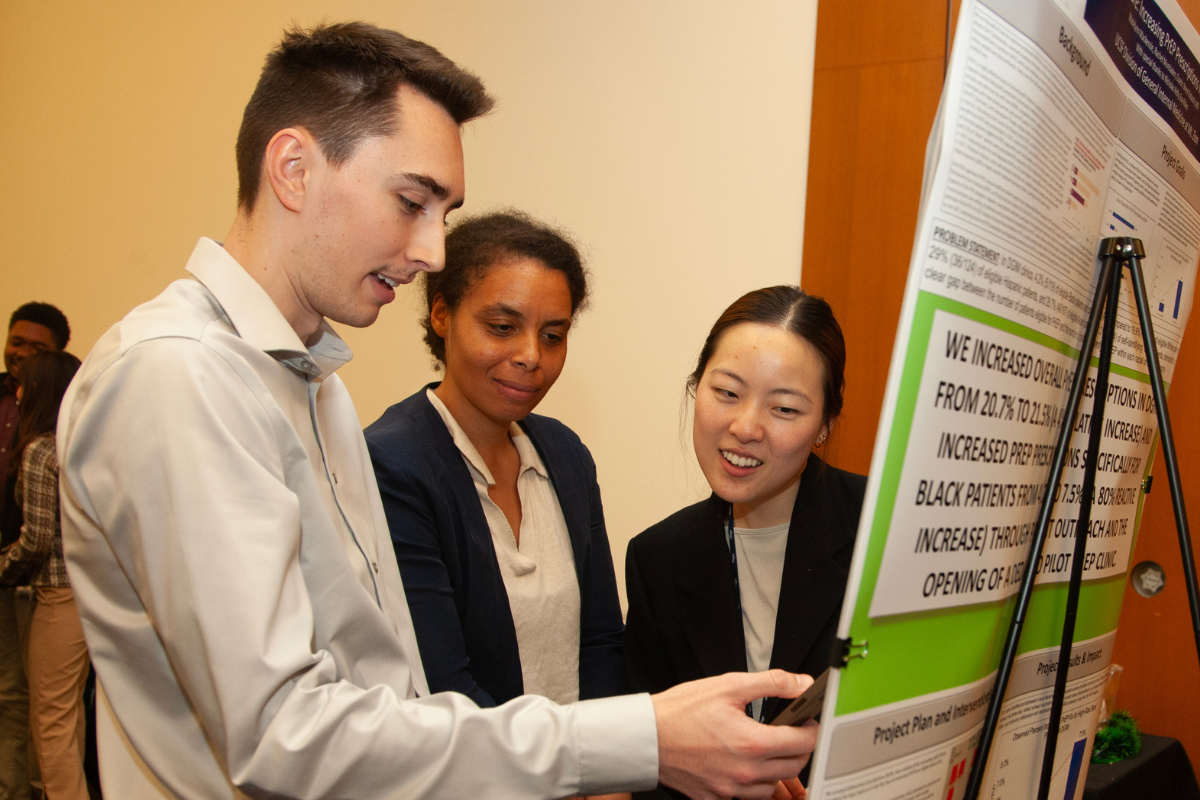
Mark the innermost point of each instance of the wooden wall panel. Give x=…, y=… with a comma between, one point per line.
x=1161, y=683
x=877, y=79
x=861, y=213
x=877, y=82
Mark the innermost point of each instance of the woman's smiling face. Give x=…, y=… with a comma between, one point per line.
x=759, y=410
x=506, y=343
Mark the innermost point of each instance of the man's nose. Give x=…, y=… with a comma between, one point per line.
x=427, y=248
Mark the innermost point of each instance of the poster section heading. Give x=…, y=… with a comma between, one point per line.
x=1033, y=178
x=927, y=743
x=1151, y=56
x=987, y=415
x=1014, y=768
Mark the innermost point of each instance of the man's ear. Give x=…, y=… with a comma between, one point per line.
x=288, y=164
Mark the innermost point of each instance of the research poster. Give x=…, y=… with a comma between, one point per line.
x=1061, y=123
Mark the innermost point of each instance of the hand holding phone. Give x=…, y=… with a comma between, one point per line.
x=806, y=706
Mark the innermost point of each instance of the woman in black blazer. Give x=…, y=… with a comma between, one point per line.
x=752, y=577
x=498, y=319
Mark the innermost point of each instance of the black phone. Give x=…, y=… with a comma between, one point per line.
x=806, y=706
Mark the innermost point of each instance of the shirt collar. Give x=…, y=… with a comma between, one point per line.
x=256, y=317
x=525, y=449
x=529, y=454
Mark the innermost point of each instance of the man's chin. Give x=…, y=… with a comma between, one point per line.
x=355, y=317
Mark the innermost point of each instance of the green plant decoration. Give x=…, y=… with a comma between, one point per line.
x=1118, y=740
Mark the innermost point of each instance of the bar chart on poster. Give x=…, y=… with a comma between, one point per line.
x=1061, y=123
x=1169, y=290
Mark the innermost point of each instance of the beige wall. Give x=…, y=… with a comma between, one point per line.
x=671, y=137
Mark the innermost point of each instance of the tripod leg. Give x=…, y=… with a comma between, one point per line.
x=1082, y=526
x=1004, y=670
x=1168, y=443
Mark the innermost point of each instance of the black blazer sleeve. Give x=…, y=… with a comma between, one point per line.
x=645, y=656
x=424, y=546
x=601, y=630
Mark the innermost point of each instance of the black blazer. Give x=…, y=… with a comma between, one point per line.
x=684, y=621
x=448, y=563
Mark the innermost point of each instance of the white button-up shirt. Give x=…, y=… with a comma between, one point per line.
x=539, y=571
x=238, y=589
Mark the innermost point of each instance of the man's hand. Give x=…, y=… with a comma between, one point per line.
x=708, y=748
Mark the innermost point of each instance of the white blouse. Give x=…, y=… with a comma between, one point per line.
x=539, y=574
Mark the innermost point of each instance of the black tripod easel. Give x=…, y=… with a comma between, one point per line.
x=1115, y=255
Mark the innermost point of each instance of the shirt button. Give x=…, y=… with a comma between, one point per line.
x=376, y=566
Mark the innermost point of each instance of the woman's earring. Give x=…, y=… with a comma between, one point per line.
x=821, y=440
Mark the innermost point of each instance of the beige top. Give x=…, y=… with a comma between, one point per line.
x=539, y=575
x=760, y=554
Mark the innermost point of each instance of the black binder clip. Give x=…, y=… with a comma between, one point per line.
x=846, y=649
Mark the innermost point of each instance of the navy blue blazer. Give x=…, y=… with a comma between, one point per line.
x=448, y=563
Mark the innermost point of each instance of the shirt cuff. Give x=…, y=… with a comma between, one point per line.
x=618, y=744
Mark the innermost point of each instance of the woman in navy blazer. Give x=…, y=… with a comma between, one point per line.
x=499, y=362
x=455, y=591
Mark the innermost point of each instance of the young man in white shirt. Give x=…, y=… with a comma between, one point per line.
x=223, y=530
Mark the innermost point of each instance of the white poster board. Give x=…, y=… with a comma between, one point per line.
x=1061, y=123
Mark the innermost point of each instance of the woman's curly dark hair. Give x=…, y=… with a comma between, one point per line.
x=478, y=243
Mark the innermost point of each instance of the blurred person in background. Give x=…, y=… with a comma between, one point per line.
x=56, y=657
x=32, y=328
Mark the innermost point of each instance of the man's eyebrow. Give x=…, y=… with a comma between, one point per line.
x=441, y=192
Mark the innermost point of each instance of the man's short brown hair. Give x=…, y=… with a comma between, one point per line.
x=339, y=82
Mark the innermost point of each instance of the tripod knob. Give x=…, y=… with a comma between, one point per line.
x=1123, y=247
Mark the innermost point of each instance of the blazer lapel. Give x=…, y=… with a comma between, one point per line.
x=712, y=619
x=462, y=485
x=813, y=583
x=569, y=484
